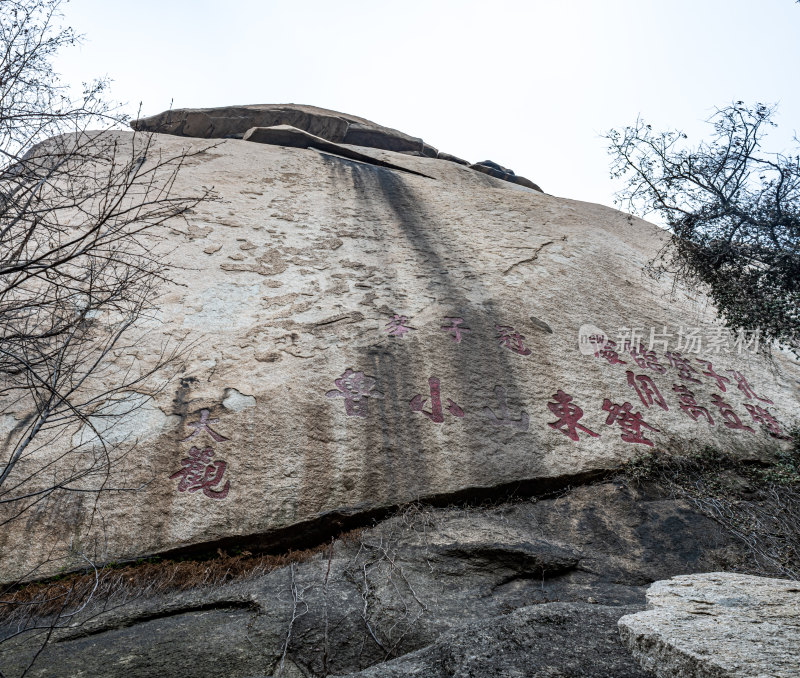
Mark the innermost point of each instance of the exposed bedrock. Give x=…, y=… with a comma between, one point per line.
x=340, y=128
x=532, y=588
x=286, y=135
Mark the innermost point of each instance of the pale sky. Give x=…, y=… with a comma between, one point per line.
x=529, y=84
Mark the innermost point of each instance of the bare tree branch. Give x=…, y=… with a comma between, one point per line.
x=734, y=215
x=81, y=265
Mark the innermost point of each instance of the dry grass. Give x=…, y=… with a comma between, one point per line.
x=148, y=577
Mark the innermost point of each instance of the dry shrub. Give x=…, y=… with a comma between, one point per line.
x=756, y=502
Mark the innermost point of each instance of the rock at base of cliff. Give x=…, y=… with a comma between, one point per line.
x=549, y=640
x=718, y=625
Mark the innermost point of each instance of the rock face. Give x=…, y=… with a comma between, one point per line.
x=494, y=170
x=718, y=625
x=364, y=336
x=291, y=137
x=541, y=641
x=234, y=121
x=531, y=588
x=339, y=128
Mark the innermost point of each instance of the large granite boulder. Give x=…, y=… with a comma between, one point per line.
x=718, y=625
x=552, y=640
x=361, y=337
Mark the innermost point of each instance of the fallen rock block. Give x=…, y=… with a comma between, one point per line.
x=233, y=121
x=495, y=166
x=717, y=625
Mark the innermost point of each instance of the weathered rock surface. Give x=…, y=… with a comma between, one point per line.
x=551, y=640
x=532, y=588
x=452, y=158
x=499, y=172
x=235, y=121
x=286, y=135
x=363, y=337
x=718, y=625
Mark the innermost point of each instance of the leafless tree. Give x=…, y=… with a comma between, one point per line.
x=80, y=212
x=733, y=212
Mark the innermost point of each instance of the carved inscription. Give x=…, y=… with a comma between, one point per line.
x=436, y=414
x=568, y=414
x=505, y=419
x=355, y=388
x=396, y=327
x=630, y=422
x=199, y=472
x=455, y=330
x=512, y=339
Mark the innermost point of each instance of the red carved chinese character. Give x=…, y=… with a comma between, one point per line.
x=732, y=419
x=685, y=370
x=505, y=419
x=454, y=329
x=745, y=387
x=396, y=327
x=355, y=387
x=203, y=425
x=568, y=415
x=199, y=474
x=646, y=390
x=608, y=350
x=762, y=416
x=436, y=414
x=631, y=423
x=512, y=339
x=721, y=381
x=647, y=359
x=689, y=404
